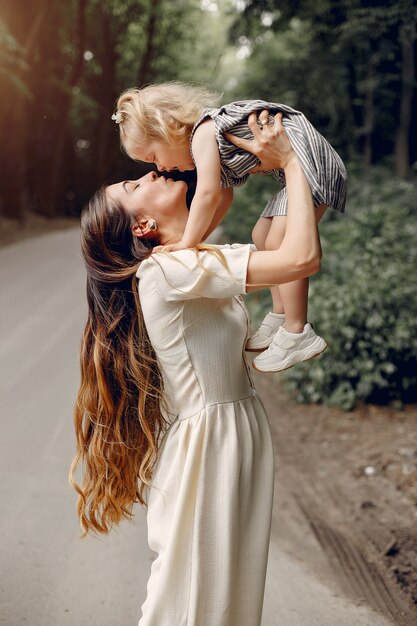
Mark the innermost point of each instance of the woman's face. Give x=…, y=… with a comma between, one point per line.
x=150, y=196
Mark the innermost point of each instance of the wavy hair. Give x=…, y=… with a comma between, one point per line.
x=166, y=112
x=118, y=414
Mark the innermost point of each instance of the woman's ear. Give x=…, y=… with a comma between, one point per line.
x=145, y=227
x=137, y=230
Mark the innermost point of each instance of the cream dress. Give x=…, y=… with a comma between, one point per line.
x=209, y=510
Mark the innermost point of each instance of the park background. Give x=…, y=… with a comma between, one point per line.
x=349, y=65
x=344, y=428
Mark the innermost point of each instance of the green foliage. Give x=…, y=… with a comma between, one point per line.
x=364, y=300
x=340, y=63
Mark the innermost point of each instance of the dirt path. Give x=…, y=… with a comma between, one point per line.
x=351, y=479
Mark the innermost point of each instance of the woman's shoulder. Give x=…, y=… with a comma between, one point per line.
x=191, y=253
x=212, y=271
x=167, y=261
x=187, y=256
x=144, y=267
x=164, y=258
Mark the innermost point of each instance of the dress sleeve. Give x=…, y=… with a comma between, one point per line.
x=188, y=274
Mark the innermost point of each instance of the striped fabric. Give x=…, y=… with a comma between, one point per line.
x=321, y=164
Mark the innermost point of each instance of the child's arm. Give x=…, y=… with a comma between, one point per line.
x=226, y=197
x=208, y=193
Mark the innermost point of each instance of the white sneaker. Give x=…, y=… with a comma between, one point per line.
x=287, y=349
x=265, y=334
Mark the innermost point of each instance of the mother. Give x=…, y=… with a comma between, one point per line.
x=167, y=413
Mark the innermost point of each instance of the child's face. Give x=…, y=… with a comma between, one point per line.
x=166, y=157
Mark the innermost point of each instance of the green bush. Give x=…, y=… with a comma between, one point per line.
x=364, y=300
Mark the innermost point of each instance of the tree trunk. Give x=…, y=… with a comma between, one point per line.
x=58, y=179
x=146, y=64
x=353, y=113
x=12, y=196
x=106, y=131
x=402, y=140
x=369, y=114
x=25, y=27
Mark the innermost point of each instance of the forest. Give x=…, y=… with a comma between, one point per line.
x=349, y=65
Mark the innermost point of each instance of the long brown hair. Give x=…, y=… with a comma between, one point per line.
x=118, y=413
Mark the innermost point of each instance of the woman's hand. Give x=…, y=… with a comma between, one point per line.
x=270, y=142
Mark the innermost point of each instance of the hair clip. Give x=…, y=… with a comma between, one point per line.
x=117, y=117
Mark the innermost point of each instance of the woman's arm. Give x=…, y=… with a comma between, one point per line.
x=300, y=251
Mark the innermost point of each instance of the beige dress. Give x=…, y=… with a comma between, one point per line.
x=209, y=510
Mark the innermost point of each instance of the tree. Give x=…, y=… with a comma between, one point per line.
x=408, y=81
x=351, y=68
x=62, y=66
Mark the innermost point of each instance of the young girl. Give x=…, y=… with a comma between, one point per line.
x=173, y=126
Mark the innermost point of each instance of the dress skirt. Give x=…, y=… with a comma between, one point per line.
x=209, y=516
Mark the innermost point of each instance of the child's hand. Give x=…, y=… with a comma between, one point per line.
x=171, y=247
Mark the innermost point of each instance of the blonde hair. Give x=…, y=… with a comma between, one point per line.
x=166, y=112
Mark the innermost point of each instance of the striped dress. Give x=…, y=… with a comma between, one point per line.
x=321, y=164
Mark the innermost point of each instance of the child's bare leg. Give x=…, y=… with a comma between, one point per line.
x=293, y=295
x=260, y=232
x=277, y=304
x=261, y=339
x=296, y=340
x=295, y=298
x=259, y=236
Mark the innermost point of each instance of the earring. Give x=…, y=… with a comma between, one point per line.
x=152, y=225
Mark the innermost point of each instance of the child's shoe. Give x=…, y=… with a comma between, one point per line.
x=265, y=334
x=287, y=349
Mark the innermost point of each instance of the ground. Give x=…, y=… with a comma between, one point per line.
x=353, y=476
x=12, y=231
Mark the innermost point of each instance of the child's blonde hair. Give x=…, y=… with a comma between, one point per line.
x=166, y=112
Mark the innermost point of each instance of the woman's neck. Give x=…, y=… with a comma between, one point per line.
x=174, y=230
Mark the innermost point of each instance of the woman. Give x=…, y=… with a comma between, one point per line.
x=166, y=395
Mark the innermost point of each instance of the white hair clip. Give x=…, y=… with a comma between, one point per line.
x=117, y=117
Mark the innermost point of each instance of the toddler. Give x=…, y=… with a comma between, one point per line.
x=178, y=127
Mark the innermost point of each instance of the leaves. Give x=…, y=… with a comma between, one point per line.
x=364, y=299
